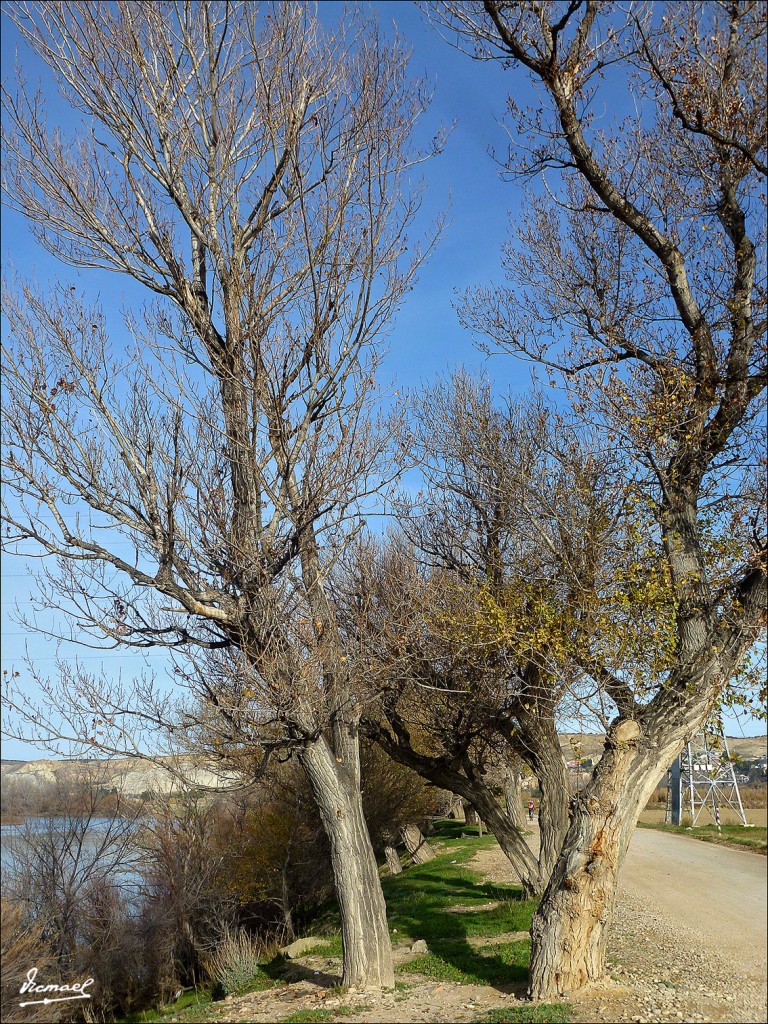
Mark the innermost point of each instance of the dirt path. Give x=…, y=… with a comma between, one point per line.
x=689, y=935
x=689, y=939
x=688, y=945
x=714, y=893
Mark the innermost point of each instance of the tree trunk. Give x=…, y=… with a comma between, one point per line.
x=286, y=903
x=454, y=807
x=416, y=845
x=511, y=840
x=365, y=939
x=512, y=798
x=393, y=860
x=536, y=741
x=554, y=783
x=477, y=793
x=570, y=928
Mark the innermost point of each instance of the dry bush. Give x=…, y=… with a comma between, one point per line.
x=187, y=906
x=235, y=963
x=658, y=798
x=22, y=947
x=394, y=796
x=754, y=795
x=276, y=853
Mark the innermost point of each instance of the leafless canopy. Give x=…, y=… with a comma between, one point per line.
x=194, y=466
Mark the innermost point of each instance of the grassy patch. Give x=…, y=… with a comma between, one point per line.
x=302, y=1016
x=187, y=1003
x=750, y=837
x=422, y=902
x=329, y=947
x=320, y=1014
x=543, y=1013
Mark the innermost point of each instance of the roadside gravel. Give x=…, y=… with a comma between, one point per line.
x=689, y=936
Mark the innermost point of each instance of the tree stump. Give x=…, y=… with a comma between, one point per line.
x=393, y=860
x=416, y=845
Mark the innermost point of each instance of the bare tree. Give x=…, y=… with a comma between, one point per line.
x=489, y=609
x=637, y=281
x=193, y=473
x=71, y=877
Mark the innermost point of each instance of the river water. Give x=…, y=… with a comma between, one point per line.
x=77, y=843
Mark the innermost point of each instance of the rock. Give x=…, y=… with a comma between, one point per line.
x=302, y=945
x=420, y=946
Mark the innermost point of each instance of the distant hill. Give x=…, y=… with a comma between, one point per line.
x=591, y=745
x=132, y=776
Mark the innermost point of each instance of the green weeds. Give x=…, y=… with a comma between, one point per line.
x=750, y=837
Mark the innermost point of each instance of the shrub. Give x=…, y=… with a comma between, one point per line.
x=234, y=964
x=23, y=945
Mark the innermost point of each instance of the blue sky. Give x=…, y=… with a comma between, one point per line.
x=427, y=338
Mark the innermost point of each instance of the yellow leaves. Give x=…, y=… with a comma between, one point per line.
x=519, y=618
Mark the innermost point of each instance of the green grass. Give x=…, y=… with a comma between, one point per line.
x=419, y=906
x=751, y=837
x=188, y=1001
x=544, y=1013
x=330, y=947
x=307, y=1016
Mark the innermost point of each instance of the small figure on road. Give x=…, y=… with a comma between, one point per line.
x=531, y=810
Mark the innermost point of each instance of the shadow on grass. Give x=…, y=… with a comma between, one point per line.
x=422, y=903
x=445, y=903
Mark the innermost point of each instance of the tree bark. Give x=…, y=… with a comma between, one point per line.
x=512, y=798
x=471, y=817
x=416, y=845
x=474, y=790
x=455, y=808
x=393, y=860
x=570, y=929
x=365, y=938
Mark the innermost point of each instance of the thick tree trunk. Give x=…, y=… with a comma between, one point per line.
x=365, y=939
x=455, y=807
x=393, y=860
x=416, y=845
x=536, y=740
x=513, y=803
x=474, y=790
x=554, y=783
x=471, y=817
x=570, y=928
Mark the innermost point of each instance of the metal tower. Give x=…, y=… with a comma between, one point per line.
x=703, y=776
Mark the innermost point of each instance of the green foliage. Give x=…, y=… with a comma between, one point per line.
x=543, y=1013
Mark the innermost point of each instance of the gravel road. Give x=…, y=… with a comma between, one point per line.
x=714, y=892
x=689, y=939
